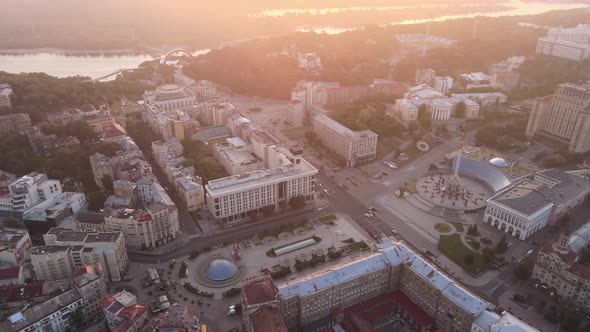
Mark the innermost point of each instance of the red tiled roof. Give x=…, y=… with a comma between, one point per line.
x=268, y=319
x=132, y=312
x=581, y=270
x=260, y=291
x=144, y=217
x=4, y=191
x=12, y=293
x=8, y=273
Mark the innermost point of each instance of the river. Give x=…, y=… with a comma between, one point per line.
x=61, y=64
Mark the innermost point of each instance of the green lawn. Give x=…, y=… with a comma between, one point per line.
x=452, y=247
x=458, y=226
x=386, y=145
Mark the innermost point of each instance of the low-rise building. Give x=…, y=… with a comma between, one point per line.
x=490, y=321
x=238, y=197
x=484, y=99
x=65, y=249
x=15, y=246
x=123, y=313
x=5, y=95
x=439, y=106
x=355, y=147
x=531, y=203
x=261, y=305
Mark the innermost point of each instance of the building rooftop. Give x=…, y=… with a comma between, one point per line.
x=259, y=291
x=52, y=208
x=393, y=255
x=336, y=126
x=256, y=178
x=268, y=319
x=20, y=321
x=526, y=197
x=10, y=273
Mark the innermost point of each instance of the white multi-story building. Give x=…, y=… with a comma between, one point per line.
x=309, y=61
x=440, y=107
x=169, y=97
x=238, y=197
x=356, y=147
x=151, y=227
x=532, y=203
x=237, y=157
x=572, y=43
x=565, y=117
x=443, y=84
x=216, y=112
x=169, y=109
x=296, y=113
x=29, y=191
x=15, y=246
x=484, y=99
x=5, y=94
x=66, y=249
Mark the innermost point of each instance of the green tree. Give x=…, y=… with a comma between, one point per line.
x=107, y=183
x=268, y=210
x=502, y=245
x=472, y=231
x=432, y=168
x=77, y=318
x=96, y=200
x=297, y=202
x=524, y=270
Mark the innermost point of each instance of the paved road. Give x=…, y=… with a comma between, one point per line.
x=198, y=242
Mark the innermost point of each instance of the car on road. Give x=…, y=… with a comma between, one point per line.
x=231, y=312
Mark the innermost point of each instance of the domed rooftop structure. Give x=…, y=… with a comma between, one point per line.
x=499, y=162
x=220, y=269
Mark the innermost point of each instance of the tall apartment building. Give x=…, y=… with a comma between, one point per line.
x=356, y=147
x=568, y=43
x=559, y=269
x=393, y=270
x=565, y=116
x=91, y=285
x=123, y=313
x=29, y=191
x=425, y=76
x=215, y=112
x=238, y=197
x=66, y=249
x=5, y=94
x=15, y=246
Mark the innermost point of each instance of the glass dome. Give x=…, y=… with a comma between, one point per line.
x=220, y=270
x=499, y=162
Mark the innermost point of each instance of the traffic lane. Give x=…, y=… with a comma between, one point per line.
x=230, y=235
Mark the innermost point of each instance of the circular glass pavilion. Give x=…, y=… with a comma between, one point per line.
x=220, y=270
